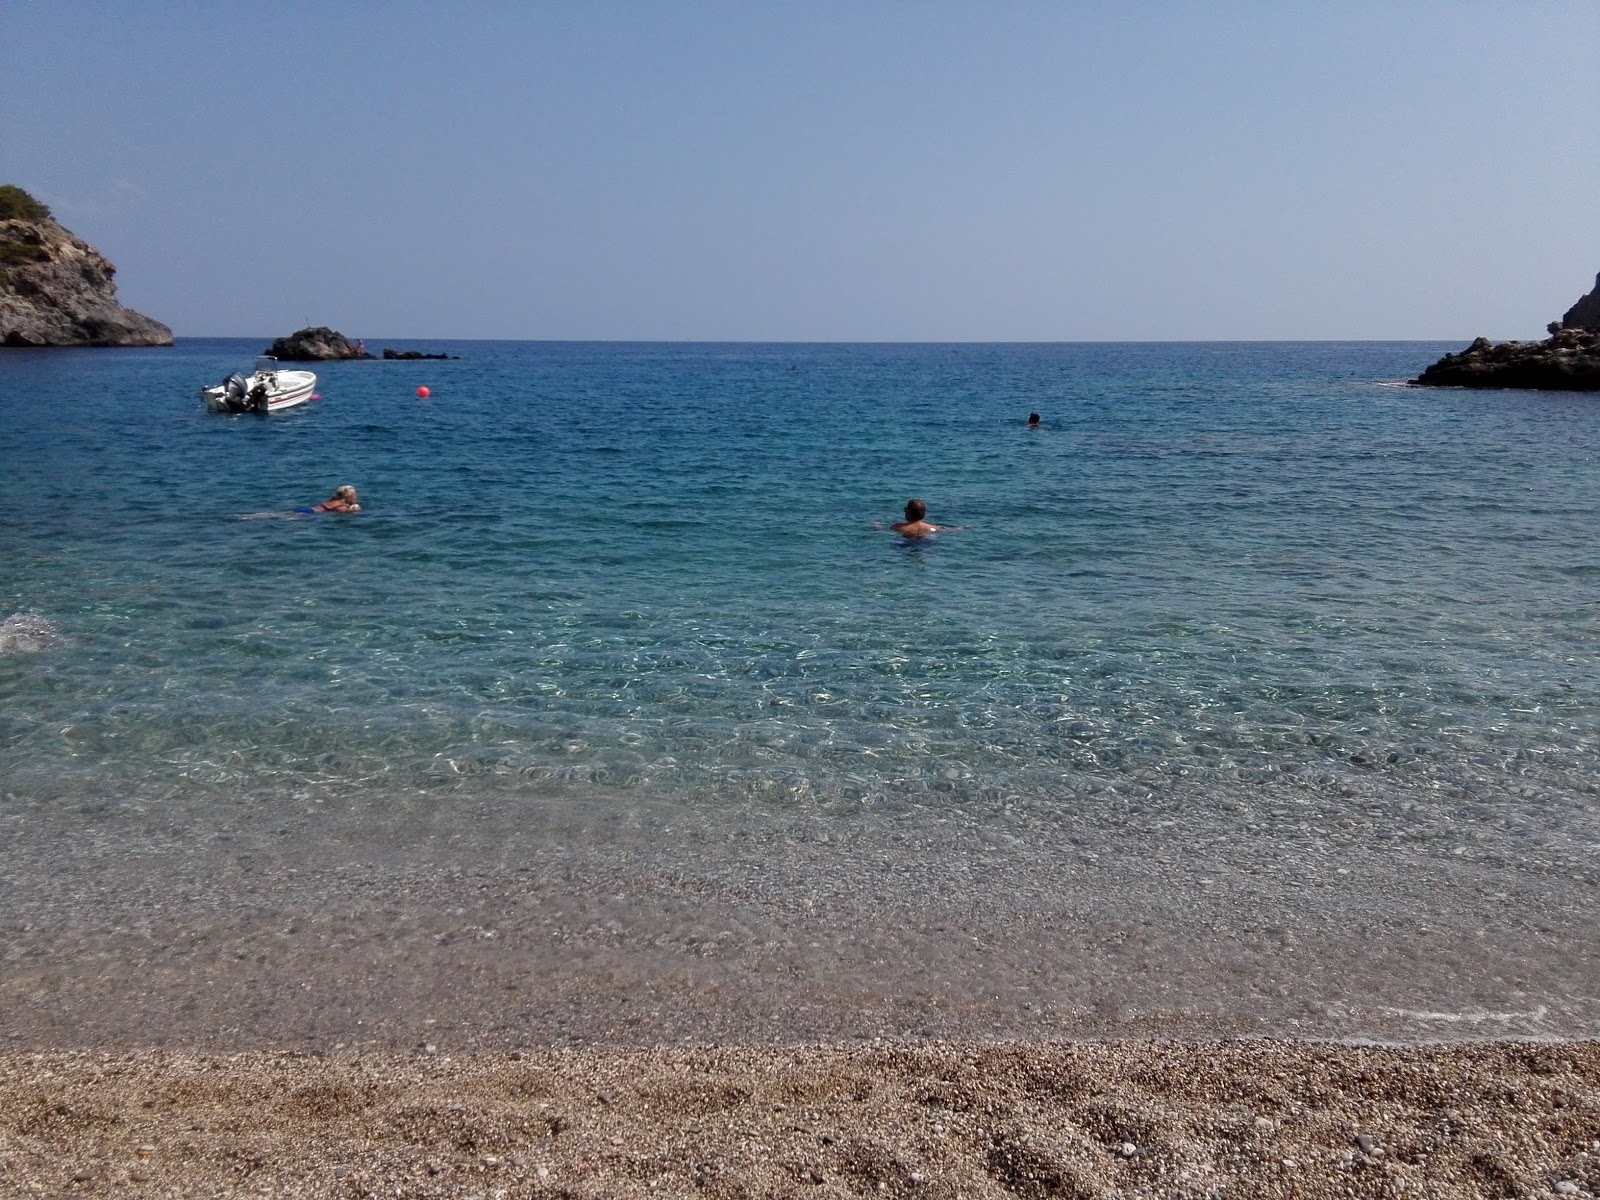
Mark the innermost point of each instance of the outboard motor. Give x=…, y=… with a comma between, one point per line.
x=235, y=393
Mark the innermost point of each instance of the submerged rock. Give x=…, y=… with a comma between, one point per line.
x=25, y=632
x=1568, y=360
x=56, y=289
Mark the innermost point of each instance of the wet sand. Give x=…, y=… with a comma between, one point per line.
x=382, y=926
x=927, y=1119
x=571, y=1001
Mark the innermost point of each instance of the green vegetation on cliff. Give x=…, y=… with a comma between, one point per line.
x=16, y=204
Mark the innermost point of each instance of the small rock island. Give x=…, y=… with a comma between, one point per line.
x=320, y=344
x=316, y=344
x=1566, y=361
x=56, y=289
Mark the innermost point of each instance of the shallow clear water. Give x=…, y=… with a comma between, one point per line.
x=1257, y=566
x=1222, y=581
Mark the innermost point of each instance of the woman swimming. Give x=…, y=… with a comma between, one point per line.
x=343, y=500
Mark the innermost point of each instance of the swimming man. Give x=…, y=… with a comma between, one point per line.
x=916, y=524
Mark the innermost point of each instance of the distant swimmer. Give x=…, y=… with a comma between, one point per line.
x=916, y=524
x=1033, y=420
x=343, y=500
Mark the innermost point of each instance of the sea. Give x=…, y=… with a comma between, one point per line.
x=1252, y=693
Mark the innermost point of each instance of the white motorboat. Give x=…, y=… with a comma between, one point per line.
x=266, y=390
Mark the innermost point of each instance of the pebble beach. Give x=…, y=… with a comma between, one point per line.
x=591, y=1024
x=924, y=1119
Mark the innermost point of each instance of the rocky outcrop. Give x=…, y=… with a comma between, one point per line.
x=318, y=344
x=321, y=344
x=1585, y=314
x=412, y=355
x=56, y=290
x=1566, y=361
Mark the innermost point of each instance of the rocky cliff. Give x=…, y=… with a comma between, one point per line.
x=56, y=289
x=1585, y=314
x=1567, y=361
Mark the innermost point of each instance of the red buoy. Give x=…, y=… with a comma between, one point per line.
x=423, y=393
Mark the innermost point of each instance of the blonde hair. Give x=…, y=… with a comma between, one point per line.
x=344, y=493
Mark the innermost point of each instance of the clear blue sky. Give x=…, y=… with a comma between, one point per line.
x=820, y=171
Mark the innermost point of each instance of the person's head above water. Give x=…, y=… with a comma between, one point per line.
x=916, y=524
x=1033, y=418
x=343, y=500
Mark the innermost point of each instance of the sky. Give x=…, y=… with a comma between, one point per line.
x=856, y=171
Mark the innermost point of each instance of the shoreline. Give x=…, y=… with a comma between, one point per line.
x=922, y=1119
x=483, y=929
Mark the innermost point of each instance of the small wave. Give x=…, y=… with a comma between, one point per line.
x=1468, y=1018
x=21, y=633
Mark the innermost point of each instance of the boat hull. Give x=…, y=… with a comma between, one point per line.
x=282, y=389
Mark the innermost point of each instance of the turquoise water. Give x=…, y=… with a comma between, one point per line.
x=1238, y=621
x=651, y=567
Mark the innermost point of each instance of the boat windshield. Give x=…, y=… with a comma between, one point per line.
x=266, y=363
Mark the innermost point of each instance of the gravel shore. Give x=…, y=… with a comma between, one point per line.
x=607, y=1001
x=915, y=1119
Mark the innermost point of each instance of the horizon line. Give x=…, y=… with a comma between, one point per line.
x=624, y=341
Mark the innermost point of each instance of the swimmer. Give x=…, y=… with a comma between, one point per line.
x=1033, y=420
x=916, y=524
x=343, y=500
